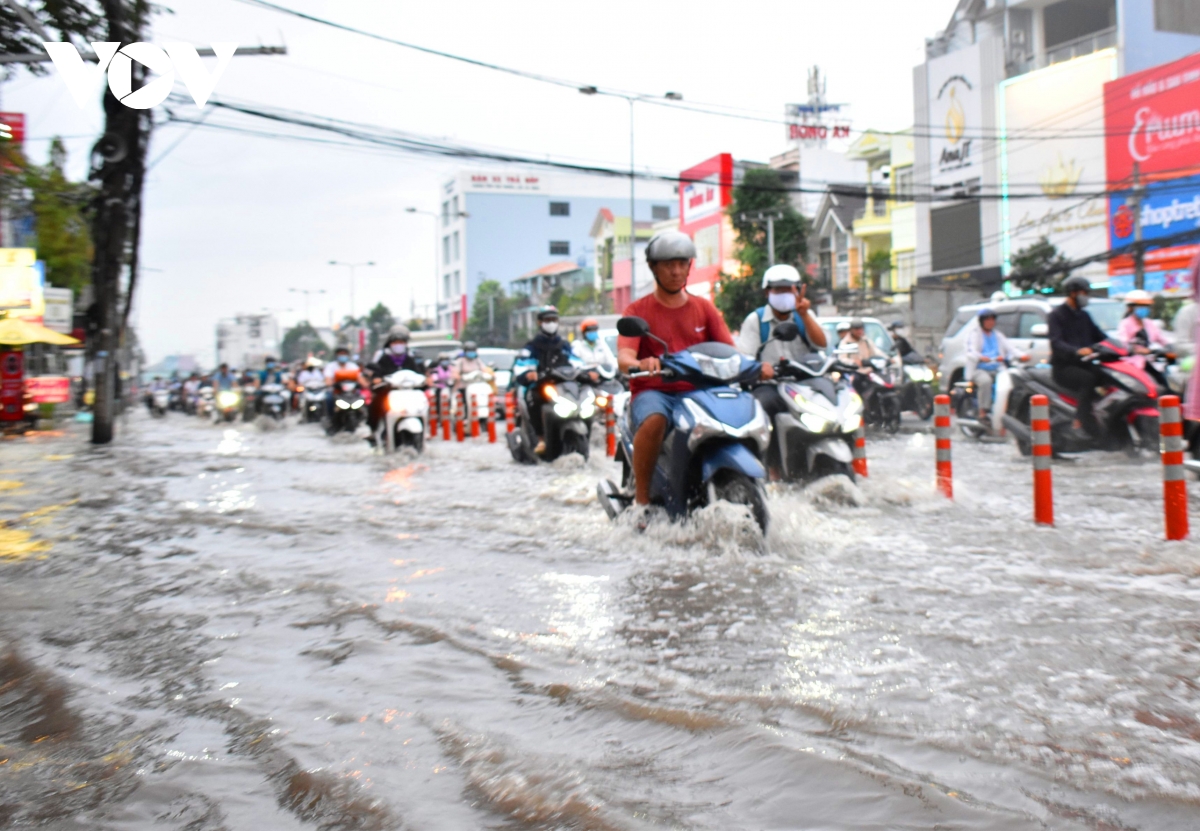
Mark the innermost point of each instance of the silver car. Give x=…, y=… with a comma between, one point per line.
x=1023, y=321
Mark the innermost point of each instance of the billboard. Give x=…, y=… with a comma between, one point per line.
x=1152, y=120
x=955, y=92
x=22, y=281
x=705, y=191
x=1052, y=160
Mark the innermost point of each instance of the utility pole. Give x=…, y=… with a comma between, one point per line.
x=352, y=267
x=1139, y=250
x=768, y=217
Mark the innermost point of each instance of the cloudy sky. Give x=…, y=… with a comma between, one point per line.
x=233, y=221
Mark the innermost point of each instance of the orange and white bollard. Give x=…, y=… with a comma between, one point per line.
x=1043, y=485
x=610, y=429
x=460, y=432
x=860, y=451
x=469, y=407
x=509, y=407
x=431, y=417
x=941, y=431
x=491, y=418
x=1175, y=501
x=445, y=411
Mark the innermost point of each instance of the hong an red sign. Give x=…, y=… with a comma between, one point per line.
x=48, y=389
x=818, y=132
x=12, y=386
x=1153, y=118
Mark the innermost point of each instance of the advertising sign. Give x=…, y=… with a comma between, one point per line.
x=12, y=386
x=60, y=310
x=955, y=118
x=1152, y=120
x=1052, y=167
x=22, y=280
x=48, y=389
x=704, y=192
x=12, y=130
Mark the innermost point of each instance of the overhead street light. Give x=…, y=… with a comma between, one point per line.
x=306, y=293
x=352, y=267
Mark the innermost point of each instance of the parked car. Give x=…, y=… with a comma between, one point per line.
x=1023, y=322
x=501, y=360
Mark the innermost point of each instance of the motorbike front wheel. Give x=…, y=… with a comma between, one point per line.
x=575, y=443
x=889, y=410
x=739, y=489
x=924, y=402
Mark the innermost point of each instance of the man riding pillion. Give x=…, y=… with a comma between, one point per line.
x=862, y=349
x=547, y=351
x=785, y=302
x=1073, y=337
x=592, y=351
x=392, y=357
x=681, y=320
x=988, y=351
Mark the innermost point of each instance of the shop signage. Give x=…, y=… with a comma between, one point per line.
x=48, y=389
x=955, y=117
x=12, y=386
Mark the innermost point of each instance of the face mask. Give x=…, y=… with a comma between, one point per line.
x=1081, y=300
x=270, y=366
x=591, y=337
x=550, y=327
x=341, y=359
x=472, y=355
x=782, y=302
x=1142, y=311
x=398, y=348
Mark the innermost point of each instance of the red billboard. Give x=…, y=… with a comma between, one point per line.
x=1152, y=120
x=705, y=191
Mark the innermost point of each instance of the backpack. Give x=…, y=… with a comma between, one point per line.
x=764, y=328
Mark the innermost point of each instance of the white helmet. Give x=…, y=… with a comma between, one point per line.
x=781, y=276
x=1138, y=297
x=670, y=245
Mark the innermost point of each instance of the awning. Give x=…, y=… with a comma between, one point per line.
x=15, y=331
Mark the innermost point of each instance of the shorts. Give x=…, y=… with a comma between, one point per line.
x=650, y=402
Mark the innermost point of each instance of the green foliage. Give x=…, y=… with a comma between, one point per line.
x=377, y=323
x=737, y=297
x=62, y=226
x=82, y=18
x=1039, y=267
x=763, y=190
x=879, y=263
x=488, y=324
x=302, y=340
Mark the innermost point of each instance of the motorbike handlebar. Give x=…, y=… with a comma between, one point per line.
x=665, y=373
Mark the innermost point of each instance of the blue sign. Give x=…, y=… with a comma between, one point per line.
x=1168, y=208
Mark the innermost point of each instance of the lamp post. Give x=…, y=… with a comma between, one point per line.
x=352, y=267
x=436, y=234
x=306, y=293
x=632, y=99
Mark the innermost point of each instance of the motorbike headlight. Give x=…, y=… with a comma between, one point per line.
x=704, y=426
x=342, y=405
x=601, y=401
x=563, y=408
x=587, y=409
x=227, y=398
x=815, y=409
x=855, y=405
x=813, y=423
x=852, y=423
x=357, y=404
x=550, y=392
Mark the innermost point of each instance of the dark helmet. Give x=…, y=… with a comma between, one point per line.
x=470, y=346
x=986, y=311
x=1076, y=283
x=896, y=324
x=547, y=313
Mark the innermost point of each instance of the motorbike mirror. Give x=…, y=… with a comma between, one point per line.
x=787, y=331
x=1039, y=330
x=633, y=327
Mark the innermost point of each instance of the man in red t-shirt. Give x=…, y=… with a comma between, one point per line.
x=680, y=319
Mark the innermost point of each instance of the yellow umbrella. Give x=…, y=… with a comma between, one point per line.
x=16, y=331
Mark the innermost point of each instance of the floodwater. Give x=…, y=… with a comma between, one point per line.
x=233, y=628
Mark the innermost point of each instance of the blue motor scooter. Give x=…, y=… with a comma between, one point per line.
x=713, y=449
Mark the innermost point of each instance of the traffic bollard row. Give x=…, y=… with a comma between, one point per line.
x=1175, y=502
x=941, y=431
x=860, y=451
x=1043, y=486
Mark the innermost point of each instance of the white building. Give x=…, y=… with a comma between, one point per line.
x=244, y=341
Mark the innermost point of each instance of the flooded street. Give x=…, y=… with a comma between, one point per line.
x=231, y=628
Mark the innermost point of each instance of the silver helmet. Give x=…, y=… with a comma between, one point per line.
x=670, y=245
x=398, y=332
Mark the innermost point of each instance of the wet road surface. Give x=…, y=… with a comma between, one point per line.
x=231, y=628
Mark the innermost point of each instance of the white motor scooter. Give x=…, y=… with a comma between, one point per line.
x=478, y=390
x=407, y=412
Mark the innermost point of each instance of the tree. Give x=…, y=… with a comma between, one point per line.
x=377, y=323
x=760, y=192
x=64, y=240
x=488, y=324
x=1039, y=267
x=878, y=264
x=301, y=341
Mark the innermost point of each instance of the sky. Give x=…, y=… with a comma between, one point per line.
x=233, y=222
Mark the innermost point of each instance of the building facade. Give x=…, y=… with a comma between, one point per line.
x=243, y=342
x=502, y=224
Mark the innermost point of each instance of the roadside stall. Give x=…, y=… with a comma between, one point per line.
x=20, y=400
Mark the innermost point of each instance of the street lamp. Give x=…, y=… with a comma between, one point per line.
x=352, y=267
x=306, y=293
x=632, y=99
x=436, y=234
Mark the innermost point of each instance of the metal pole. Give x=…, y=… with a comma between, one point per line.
x=1139, y=254
x=491, y=315
x=632, y=224
x=771, y=240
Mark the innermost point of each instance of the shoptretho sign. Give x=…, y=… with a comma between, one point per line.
x=116, y=62
x=1152, y=121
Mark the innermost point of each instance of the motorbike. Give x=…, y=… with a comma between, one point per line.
x=406, y=412
x=566, y=398
x=1127, y=413
x=477, y=391
x=881, y=399
x=249, y=397
x=713, y=451
x=175, y=397
x=816, y=434
x=228, y=404
x=312, y=404
x=916, y=381
x=204, y=402
x=349, y=407
x=272, y=401
x=160, y=402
